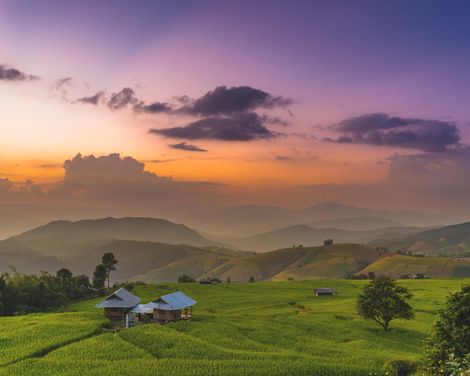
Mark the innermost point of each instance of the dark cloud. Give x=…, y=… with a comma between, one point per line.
x=12, y=74
x=93, y=100
x=239, y=127
x=282, y=158
x=153, y=108
x=227, y=101
x=187, y=147
x=122, y=99
x=383, y=130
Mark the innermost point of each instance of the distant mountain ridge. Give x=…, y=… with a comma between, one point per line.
x=309, y=236
x=248, y=220
x=128, y=228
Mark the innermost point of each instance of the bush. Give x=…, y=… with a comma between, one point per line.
x=186, y=279
x=401, y=367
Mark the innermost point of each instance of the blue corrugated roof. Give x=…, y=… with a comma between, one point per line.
x=142, y=308
x=173, y=302
x=119, y=299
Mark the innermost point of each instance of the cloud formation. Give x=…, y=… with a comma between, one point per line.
x=153, y=108
x=228, y=114
x=384, y=130
x=122, y=99
x=238, y=127
x=187, y=147
x=93, y=100
x=13, y=74
x=227, y=101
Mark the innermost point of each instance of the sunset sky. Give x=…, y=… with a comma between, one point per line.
x=272, y=102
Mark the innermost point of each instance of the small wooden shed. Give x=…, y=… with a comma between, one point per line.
x=171, y=307
x=118, y=304
x=324, y=291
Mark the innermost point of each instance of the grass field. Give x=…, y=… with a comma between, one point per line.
x=272, y=328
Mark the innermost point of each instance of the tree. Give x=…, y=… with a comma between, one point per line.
x=109, y=262
x=252, y=279
x=99, y=276
x=185, y=279
x=450, y=339
x=64, y=276
x=382, y=300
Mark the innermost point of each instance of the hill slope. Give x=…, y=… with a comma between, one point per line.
x=336, y=261
x=399, y=265
x=447, y=240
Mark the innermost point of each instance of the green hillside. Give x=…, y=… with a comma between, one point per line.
x=337, y=261
x=399, y=265
x=258, y=329
x=447, y=240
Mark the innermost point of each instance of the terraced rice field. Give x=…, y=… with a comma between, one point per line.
x=273, y=328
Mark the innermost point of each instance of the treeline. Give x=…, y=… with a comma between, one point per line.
x=29, y=293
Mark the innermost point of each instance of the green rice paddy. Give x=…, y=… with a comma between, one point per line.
x=272, y=328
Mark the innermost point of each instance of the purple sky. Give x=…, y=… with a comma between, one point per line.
x=311, y=94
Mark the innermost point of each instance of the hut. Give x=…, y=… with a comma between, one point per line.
x=171, y=307
x=118, y=304
x=324, y=291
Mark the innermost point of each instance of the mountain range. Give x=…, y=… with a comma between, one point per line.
x=157, y=250
x=242, y=221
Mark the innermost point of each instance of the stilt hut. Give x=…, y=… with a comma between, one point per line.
x=171, y=307
x=118, y=304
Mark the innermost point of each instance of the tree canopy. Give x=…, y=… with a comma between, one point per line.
x=450, y=339
x=382, y=300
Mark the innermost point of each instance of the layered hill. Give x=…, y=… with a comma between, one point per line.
x=253, y=219
x=309, y=236
x=447, y=240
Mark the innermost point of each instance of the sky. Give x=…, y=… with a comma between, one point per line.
x=289, y=103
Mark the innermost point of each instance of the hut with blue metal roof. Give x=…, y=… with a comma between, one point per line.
x=118, y=304
x=171, y=307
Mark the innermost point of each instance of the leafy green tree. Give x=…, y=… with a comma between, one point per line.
x=109, y=262
x=99, y=276
x=450, y=340
x=382, y=300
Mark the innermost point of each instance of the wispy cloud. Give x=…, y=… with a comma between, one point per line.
x=13, y=75
x=187, y=147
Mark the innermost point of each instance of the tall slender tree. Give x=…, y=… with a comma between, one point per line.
x=109, y=261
